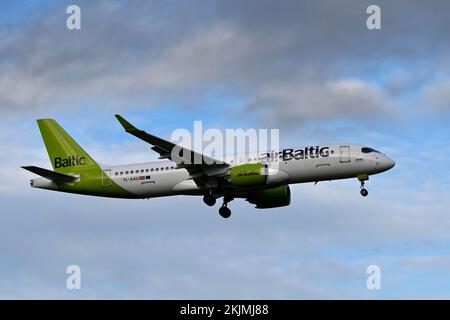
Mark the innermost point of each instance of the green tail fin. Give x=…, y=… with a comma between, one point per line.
x=65, y=154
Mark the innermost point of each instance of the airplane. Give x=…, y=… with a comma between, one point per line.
x=262, y=179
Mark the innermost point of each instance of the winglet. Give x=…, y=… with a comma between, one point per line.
x=125, y=124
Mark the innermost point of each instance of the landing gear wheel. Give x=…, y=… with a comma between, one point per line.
x=225, y=212
x=362, y=178
x=210, y=200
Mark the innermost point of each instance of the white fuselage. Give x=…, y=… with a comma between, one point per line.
x=304, y=164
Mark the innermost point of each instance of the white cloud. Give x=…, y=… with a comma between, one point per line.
x=342, y=98
x=436, y=97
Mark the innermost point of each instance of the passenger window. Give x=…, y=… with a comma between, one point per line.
x=126, y=172
x=121, y=173
x=157, y=169
x=146, y=170
x=152, y=170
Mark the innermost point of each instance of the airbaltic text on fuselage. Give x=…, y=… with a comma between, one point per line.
x=72, y=161
x=297, y=154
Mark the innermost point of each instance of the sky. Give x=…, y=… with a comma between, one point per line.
x=311, y=69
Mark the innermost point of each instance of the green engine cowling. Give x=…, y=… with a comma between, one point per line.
x=271, y=198
x=248, y=175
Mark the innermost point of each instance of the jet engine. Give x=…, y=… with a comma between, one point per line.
x=271, y=197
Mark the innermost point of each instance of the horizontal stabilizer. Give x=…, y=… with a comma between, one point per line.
x=51, y=175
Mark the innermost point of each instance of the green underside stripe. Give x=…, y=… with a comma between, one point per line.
x=91, y=183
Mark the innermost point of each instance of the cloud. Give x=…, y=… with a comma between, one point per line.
x=437, y=97
x=343, y=98
x=164, y=53
x=159, y=250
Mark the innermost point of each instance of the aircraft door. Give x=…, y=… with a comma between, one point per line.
x=106, y=178
x=344, y=153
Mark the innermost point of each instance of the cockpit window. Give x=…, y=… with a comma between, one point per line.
x=368, y=150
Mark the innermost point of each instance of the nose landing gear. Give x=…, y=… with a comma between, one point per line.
x=364, y=192
x=362, y=178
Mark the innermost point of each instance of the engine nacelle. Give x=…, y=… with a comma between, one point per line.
x=256, y=174
x=271, y=198
x=248, y=175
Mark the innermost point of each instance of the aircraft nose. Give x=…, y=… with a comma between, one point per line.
x=389, y=163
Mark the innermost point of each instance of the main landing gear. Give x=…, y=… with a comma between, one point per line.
x=224, y=211
x=362, y=178
x=209, y=199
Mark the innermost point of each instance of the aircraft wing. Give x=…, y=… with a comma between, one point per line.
x=195, y=163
